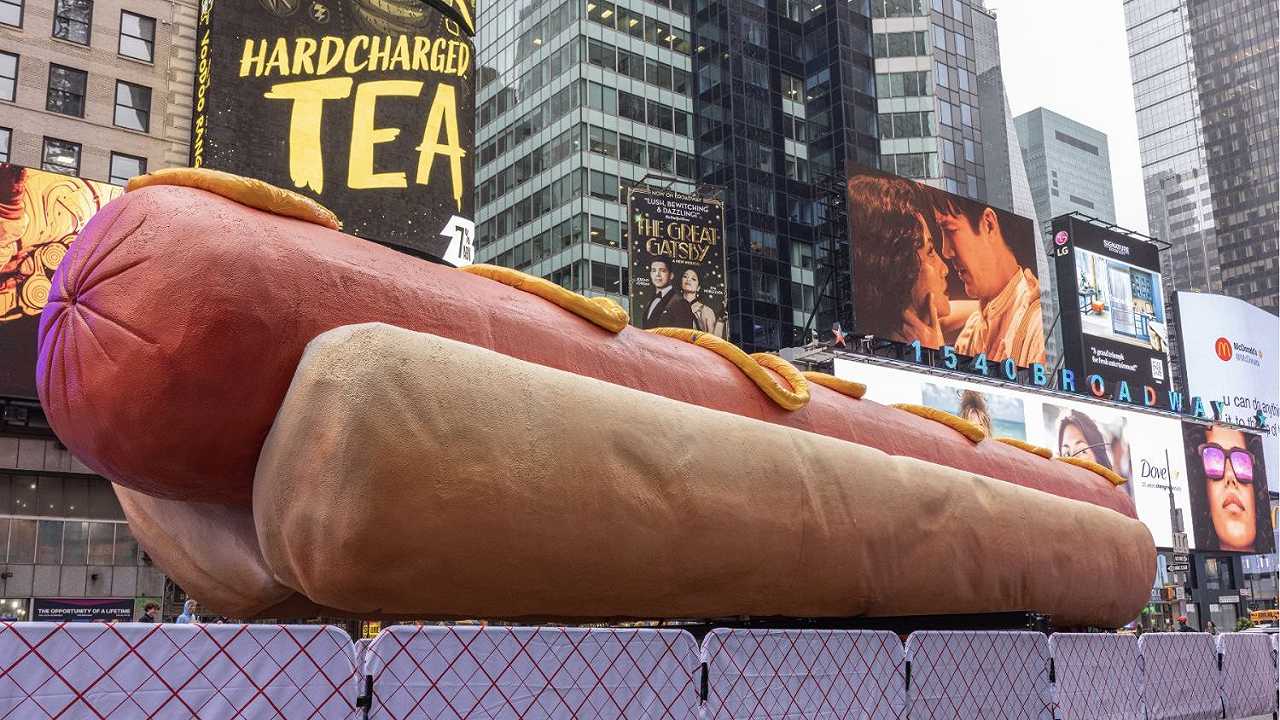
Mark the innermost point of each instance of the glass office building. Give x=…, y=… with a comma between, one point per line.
x=785, y=99
x=1238, y=80
x=1068, y=164
x=577, y=101
x=1175, y=175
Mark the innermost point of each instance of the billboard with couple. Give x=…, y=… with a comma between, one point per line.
x=677, y=261
x=941, y=269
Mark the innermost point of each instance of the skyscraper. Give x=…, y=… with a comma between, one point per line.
x=785, y=97
x=1068, y=165
x=577, y=100
x=927, y=92
x=1204, y=82
x=1237, y=68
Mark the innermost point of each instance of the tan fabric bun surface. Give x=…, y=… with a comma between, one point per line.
x=411, y=474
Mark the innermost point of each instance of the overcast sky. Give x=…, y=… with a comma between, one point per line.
x=1070, y=56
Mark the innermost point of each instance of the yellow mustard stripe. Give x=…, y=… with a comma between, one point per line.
x=846, y=387
x=1021, y=445
x=753, y=366
x=246, y=191
x=599, y=310
x=1092, y=466
x=973, y=431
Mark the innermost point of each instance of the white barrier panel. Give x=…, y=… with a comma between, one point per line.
x=966, y=675
x=1248, y=677
x=135, y=670
x=454, y=672
x=803, y=674
x=1096, y=676
x=1179, y=676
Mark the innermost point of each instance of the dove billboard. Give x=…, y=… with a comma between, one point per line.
x=367, y=106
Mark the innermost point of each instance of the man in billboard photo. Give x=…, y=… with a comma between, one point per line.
x=901, y=288
x=1229, y=501
x=668, y=308
x=1008, y=322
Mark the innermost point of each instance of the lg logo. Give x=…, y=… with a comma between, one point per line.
x=1222, y=347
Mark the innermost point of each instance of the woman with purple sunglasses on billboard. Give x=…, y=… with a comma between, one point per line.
x=1227, y=473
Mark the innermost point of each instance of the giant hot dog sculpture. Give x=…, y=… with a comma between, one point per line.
x=293, y=416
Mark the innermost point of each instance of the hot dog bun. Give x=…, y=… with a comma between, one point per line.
x=181, y=316
x=517, y=490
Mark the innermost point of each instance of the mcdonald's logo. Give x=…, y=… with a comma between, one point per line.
x=1223, y=348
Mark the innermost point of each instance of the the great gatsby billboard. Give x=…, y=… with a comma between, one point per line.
x=365, y=105
x=677, y=261
x=40, y=214
x=943, y=270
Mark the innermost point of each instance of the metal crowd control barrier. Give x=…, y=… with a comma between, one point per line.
x=132, y=670
x=448, y=672
x=135, y=670
x=965, y=675
x=1096, y=676
x=804, y=674
x=1247, y=675
x=1179, y=676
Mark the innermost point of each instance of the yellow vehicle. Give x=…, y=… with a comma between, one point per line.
x=1259, y=617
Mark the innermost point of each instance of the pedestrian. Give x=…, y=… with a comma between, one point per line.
x=1182, y=624
x=1210, y=628
x=188, y=615
x=150, y=613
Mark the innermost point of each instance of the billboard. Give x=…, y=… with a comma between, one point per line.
x=1114, y=322
x=1230, y=504
x=943, y=270
x=1143, y=448
x=82, y=610
x=367, y=106
x=677, y=261
x=40, y=214
x=1231, y=358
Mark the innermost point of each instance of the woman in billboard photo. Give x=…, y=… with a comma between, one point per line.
x=1079, y=436
x=902, y=289
x=703, y=315
x=973, y=407
x=1228, y=485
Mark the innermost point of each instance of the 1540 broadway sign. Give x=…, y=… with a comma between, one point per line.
x=365, y=105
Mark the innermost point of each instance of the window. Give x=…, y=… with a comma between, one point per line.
x=792, y=88
x=632, y=150
x=960, y=45
x=939, y=37
x=684, y=165
x=968, y=150
x=604, y=142
x=72, y=20
x=940, y=72
x=966, y=114
x=604, y=185
x=661, y=159
x=631, y=64
x=137, y=36
x=61, y=156
x=963, y=75
x=133, y=106
x=8, y=76
x=659, y=74
x=944, y=113
x=756, y=73
x=660, y=116
x=11, y=12
x=124, y=167
x=5, y=135
x=601, y=11
x=680, y=82
x=630, y=22
x=802, y=254
x=66, y=90
x=600, y=54
x=630, y=106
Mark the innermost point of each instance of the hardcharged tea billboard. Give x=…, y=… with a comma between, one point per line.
x=365, y=105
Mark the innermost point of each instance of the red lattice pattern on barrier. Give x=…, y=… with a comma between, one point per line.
x=450, y=672
x=1096, y=676
x=1248, y=678
x=94, y=670
x=966, y=675
x=1179, y=676
x=801, y=674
